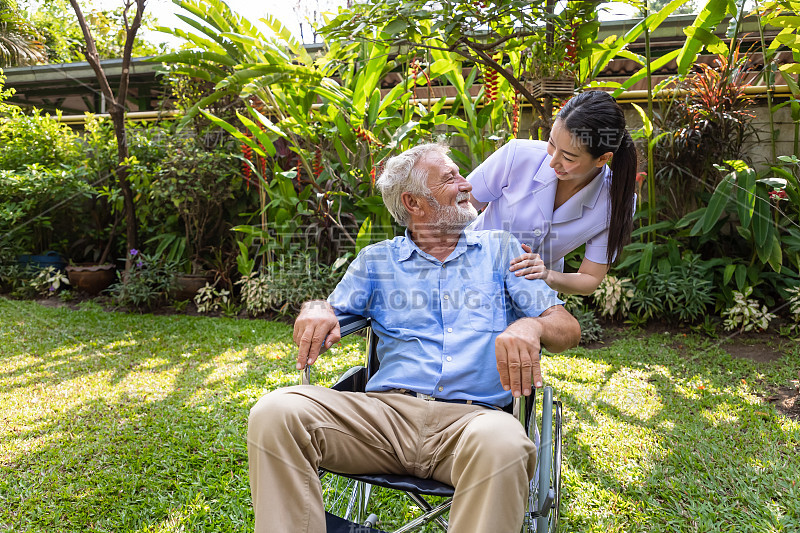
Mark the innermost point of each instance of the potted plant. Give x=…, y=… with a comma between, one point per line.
x=549, y=70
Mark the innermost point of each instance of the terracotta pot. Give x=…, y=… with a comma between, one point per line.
x=90, y=278
x=187, y=285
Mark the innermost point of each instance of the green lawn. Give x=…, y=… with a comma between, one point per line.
x=118, y=422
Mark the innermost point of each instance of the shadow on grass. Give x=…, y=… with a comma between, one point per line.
x=116, y=422
x=661, y=440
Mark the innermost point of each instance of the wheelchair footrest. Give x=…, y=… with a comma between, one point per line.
x=334, y=524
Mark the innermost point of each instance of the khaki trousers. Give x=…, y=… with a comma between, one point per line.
x=483, y=453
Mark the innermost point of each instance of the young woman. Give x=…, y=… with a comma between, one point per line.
x=576, y=188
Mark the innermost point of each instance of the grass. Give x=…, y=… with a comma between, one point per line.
x=136, y=423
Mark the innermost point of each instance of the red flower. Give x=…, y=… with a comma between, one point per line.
x=641, y=176
x=778, y=195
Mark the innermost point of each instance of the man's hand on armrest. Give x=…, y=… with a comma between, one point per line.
x=315, y=330
x=517, y=348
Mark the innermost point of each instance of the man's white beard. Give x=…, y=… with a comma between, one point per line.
x=454, y=217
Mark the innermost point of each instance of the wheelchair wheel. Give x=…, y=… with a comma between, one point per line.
x=345, y=497
x=545, y=490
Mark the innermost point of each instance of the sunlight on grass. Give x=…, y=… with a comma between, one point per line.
x=137, y=423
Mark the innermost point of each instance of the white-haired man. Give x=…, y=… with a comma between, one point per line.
x=453, y=353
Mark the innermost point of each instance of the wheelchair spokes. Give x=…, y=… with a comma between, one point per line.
x=544, y=498
x=345, y=497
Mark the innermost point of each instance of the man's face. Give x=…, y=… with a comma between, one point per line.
x=449, y=194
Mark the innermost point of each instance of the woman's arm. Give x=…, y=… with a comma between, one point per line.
x=584, y=281
x=478, y=205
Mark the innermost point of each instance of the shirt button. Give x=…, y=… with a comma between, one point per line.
x=441, y=389
x=537, y=232
x=446, y=297
x=449, y=358
x=449, y=330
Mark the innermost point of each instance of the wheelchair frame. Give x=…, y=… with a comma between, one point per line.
x=347, y=496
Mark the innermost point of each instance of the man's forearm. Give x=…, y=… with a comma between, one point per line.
x=559, y=330
x=315, y=304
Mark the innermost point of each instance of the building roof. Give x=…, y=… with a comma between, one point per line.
x=73, y=87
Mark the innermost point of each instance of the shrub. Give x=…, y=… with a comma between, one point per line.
x=675, y=292
x=48, y=281
x=614, y=295
x=196, y=185
x=746, y=314
x=148, y=284
x=286, y=283
x=209, y=299
x=32, y=198
x=591, y=330
x=35, y=137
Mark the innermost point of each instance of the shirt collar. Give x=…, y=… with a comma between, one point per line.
x=406, y=247
x=543, y=179
x=587, y=197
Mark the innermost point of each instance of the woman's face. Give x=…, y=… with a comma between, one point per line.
x=570, y=159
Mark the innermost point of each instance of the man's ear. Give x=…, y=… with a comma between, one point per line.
x=412, y=203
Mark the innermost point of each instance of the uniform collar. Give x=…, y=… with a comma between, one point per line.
x=586, y=197
x=542, y=180
x=406, y=247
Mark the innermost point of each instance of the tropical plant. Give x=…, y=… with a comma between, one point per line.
x=709, y=113
x=49, y=280
x=314, y=130
x=283, y=285
x=781, y=14
x=208, y=299
x=506, y=38
x=746, y=314
x=763, y=209
x=679, y=288
x=20, y=44
x=614, y=295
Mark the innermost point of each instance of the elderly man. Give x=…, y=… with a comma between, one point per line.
x=453, y=352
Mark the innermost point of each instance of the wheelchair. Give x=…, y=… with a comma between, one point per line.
x=350, y=507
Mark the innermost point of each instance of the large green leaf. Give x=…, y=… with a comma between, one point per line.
x=647, y=258
x=713, y=44
x=763, y=225
x=642, y=73
x=647, y=123
x=718, y=202
x=707, y=19
x=776, y=256
x=364, y=234
x=746, y=195
x=288, y=38
x=368, y=78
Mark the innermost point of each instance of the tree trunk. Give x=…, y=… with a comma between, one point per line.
x=117, y=111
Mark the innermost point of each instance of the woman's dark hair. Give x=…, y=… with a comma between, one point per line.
x=595, y=118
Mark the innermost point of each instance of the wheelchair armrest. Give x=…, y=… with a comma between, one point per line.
x=351, y=323
x=354, y=380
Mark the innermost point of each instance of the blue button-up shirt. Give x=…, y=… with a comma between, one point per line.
x=437, y=320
